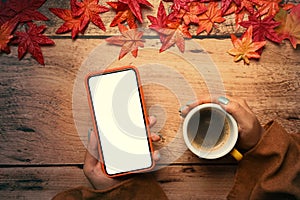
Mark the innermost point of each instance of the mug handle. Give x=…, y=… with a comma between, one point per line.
x=236, y=154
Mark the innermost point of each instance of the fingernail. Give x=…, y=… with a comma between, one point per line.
x=158, y=155
x=89, y=133
x=182, y=108
x=160, y=135
x=223, y=100
x=190, y=102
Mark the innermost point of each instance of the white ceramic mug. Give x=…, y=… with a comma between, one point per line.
x=221, y=132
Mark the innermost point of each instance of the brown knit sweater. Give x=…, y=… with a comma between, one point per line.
x=271, y=170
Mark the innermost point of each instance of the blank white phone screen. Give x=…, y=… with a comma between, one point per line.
x=120, y=121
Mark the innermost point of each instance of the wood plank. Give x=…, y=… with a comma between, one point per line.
x=178, y=182
x=37, y=122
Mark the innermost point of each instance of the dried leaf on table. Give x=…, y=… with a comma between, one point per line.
x=227, y=4
x=123, y=13
x=171, y=30
x=71, y=23
x=5, y=12
x=179, y=4
x=191, y=16
x=25, y=10
x=130, y=40
x=263, y=28
x=6, y=30
x=248, y=5
x=89, y=10
x=245, y=48
x=160, y=21
x=30, y=41
x=268, y=7
x=135, y=7
x=174, y=34
x=208, y=19
x=290, y=25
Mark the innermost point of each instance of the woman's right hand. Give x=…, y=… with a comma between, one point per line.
x=250, y=130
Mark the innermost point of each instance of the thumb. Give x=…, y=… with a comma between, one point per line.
x=92, y=154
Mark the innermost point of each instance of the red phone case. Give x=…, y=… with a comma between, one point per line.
x=144, y=115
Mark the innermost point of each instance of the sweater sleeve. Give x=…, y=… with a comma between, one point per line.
x=271, y=170
x=142, y=186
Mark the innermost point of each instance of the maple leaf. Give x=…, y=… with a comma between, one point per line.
x=71, y=23
x=226, y=4
x=170, y=30
x=211, y=16
x=191, y=16
x=123, y=14
x=248, y=5
x=263, y=28
x=130, y=40
x=5, y=35
x=135, y=7
x=245, y=48
x=26, y=10
x=174, y=34
x=290, y=25
x=179, y=4
x=160, y=21
x=5, y=12
x=30, y=41
x=268, y=7
x=89, y=10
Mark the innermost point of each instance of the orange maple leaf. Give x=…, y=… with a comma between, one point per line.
x=5, y=35
x=268, y=7
x=290, y=25
x=211, y=16
x=174, y=34
x=244, y=48
x=191, y=16
x=123, y=13
x=130, y=40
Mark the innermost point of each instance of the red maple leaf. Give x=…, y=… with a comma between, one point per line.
x=5, y=35
x=160, y=21
x=245, y=48
x=174, y=34
x=191, y=16
x=208, y=19
x=130, y=40
x=30, y=41
x=248, y=5
x=268, y=7
x=263, y=28
x=123, y=13
x=135, y=7
x=89, y=10
x=179, y=4
x=25, y=10
x=71, y=23
x=170, y=29
x=226, y=4
x=290, y=25
x=5, y=12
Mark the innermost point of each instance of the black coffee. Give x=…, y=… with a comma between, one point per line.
x=208, y=129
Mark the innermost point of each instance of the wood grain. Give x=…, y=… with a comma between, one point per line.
x=178, y=182
x=36, y=102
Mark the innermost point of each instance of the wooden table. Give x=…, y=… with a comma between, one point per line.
x=42, y=150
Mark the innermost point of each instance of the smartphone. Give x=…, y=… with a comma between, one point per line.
x=120, y=120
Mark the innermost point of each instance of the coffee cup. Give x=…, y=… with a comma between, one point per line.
x=210, y=132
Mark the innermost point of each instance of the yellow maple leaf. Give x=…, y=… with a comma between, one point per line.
x=245, y=48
